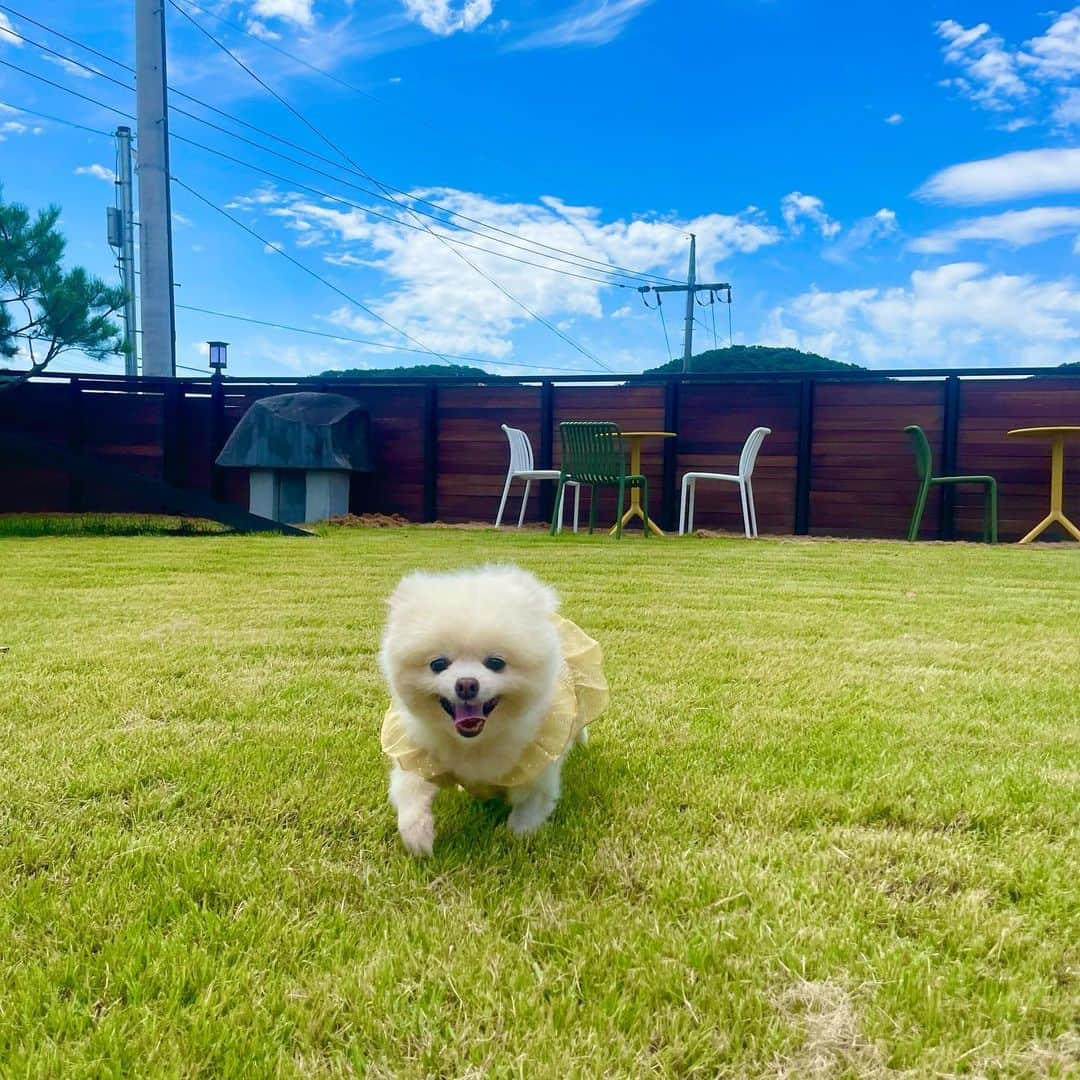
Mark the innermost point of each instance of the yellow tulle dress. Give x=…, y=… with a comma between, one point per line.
x=581, y=697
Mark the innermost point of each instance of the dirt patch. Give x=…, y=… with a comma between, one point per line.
x=834, y=1043
x=369, y=521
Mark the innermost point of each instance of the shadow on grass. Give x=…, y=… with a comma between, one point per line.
x=32, y=525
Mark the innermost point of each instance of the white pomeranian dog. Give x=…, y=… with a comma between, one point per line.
x=490, y=688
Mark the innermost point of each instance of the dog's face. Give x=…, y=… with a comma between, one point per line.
x=472, y=651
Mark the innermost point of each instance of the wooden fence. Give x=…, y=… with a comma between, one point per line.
x=837, y=462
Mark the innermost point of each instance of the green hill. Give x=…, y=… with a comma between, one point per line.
x=417, y=370
x=754, y=358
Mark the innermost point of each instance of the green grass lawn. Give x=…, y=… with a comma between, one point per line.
x=828, y=827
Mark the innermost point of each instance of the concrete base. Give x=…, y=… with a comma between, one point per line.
x=327, y=494
x=274, y=492
x=262, y=493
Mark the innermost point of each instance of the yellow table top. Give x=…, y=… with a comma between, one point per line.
x=654, y=434
x=1037, y=432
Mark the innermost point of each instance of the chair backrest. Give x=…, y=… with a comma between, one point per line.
x=521, y=453
x=750, y=450
x=593, y=451
x=924, y=456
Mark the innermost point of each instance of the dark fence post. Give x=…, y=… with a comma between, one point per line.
x=803, y=462
x=217, y=435
x=431, y=451
x=547, y=420
x=671, y=453
x=173, y=464
x=950, y=434
x=75, y=442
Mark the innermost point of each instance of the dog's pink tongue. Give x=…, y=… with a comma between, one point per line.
x=468, y=718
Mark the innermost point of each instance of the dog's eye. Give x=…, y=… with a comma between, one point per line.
x=494, y=663
x=439, y=664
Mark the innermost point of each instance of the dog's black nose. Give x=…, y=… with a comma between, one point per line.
x=466, y=689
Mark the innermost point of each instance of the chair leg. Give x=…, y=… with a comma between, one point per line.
x=559, y=509
x=682, y=508
x=502, y=502
x=524, y=503
x=577, y=505
x=690, y=513
x=619, y=510
x=555, y=517
x=750, y=500
x=991, y=512
x=916, y=517
x=592, y=508
x=745, y=511
x=645, y=508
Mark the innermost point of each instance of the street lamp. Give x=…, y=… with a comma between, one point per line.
x=218, y=356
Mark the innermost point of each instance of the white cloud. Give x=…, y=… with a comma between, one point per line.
x=958, y=313
x=444, y=17
x=1025, y=174
x=6, y=36
x=297, y=12
x=262, y=31
x=865, y=231
x=69, y=66
x=1067, y=110
x=796, y=206
x=990, y=77
x=894, y=119
x=1056, y=54
x=16, y=127
x=436, y=298
x=623, y=312
x=590, y=22
x=99, y=172
x=1016, y=228
x=1000, y=78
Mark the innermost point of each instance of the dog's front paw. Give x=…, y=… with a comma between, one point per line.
x=418, y=834
x=529, y=815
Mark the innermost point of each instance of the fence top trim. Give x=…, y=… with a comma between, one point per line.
x=207, y=382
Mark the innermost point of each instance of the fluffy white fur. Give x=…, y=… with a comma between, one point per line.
x=467, y=618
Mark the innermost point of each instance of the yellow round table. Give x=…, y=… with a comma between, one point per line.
x=1057, y=437
x=634, y=438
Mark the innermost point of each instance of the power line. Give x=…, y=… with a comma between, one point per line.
x=387, y=217
x=307, y=269
x=288, y=180
x=370, y=344
x=329, y=142
x=364, y=209
x=576, y=258
x=236, y=221
x=65, y=89
x=58, y=120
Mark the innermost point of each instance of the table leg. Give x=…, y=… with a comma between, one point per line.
x=634, y=510
x=1057, y=494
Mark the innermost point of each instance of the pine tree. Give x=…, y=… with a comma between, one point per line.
x=44, y=309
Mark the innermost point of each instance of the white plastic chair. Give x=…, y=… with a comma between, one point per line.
x=746, y=488
x=522, y=466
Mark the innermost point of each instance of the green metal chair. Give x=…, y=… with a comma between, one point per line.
x=594, y=455
x=924, y=467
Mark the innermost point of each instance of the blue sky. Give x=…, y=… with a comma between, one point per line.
x=893, y=185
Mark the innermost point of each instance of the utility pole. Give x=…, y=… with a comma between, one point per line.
x=688, y=332
x=155, y=210
x=691, y=288
x=127, y=249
